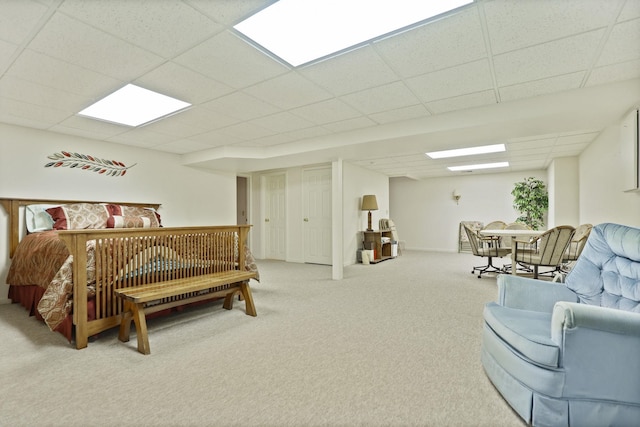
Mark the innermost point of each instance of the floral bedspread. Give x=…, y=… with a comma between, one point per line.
x=43, y=259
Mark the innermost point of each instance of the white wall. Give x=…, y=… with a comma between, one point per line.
x=602, y=182
x=188, y=196
x=427, y=217
x=357, y=182
x=563, y=186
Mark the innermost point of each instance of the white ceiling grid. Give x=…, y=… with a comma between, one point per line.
x=544, y=77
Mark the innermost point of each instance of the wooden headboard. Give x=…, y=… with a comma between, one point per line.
x=12, y=207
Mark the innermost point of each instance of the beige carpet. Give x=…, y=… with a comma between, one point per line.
x=393, y=344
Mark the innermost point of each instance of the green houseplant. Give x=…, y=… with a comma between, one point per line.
x=531, y=200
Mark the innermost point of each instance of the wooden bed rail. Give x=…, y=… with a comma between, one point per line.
x=134, y=257
x=12, y=207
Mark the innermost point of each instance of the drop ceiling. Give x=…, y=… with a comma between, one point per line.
x=543, y=77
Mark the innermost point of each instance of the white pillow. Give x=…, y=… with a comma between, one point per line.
x=37, y=218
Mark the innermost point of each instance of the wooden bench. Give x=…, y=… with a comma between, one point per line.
x=136, y=297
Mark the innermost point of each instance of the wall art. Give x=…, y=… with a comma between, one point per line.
x=88, y=163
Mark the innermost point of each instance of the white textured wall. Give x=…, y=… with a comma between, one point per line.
x=357, y=182
x=427, y=217
x=602, y=182
x=564, y=197
x=188, y=196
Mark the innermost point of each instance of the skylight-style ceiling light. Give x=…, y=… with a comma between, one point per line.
x=300, y=31
x=496, y=148
x=482, y=166
x=133, y=106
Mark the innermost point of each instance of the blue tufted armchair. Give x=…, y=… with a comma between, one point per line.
x=568, y=354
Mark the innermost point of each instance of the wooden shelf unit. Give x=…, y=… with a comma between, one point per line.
x=382, y=251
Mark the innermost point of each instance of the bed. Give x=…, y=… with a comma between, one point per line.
x=74, y=254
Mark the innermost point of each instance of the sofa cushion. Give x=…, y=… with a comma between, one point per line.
x=526, y=332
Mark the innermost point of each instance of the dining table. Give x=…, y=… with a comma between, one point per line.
x=514, y=235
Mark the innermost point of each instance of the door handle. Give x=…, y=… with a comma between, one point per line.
x=266, y=220
x=306, y=220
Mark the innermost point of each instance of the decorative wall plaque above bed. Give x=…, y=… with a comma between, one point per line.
x=88, y=163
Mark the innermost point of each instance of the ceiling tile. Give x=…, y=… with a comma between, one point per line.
x=202, y=118
x=579, y=138
x=353, y=71
x=176, y=126
x=55, y=73
x=17, y=112
x=486, y=97
x=623, y=43
x=570, y=149
x=440, y=44
x=47, y=97
x=459, y=80
x=542, y=86
x=388, y=97
x=246, y=131
x=555, y=58
x=306, y=133
x=142, y=137
x=215, y=139
x=163, y=27
x=328, y=111
x=400, y=114
x=616, y=72
x=7, y=50
x=19, y=18
x=288, y=91
x=630, y=10
x=351, y=124
x=515, y=24
x=241, y=106
x=92, y=132
x=229, y=59
x=282, y=122
x=182, y=146
x=180, y=82
x=75, y=42
x=229, y=12
x=87, y=125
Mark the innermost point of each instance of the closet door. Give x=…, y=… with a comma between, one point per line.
x=317, y=216
x=275, y=218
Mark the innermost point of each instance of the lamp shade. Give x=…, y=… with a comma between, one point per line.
x=369, y=203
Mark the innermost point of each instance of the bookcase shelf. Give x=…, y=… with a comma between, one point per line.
x=382, y=250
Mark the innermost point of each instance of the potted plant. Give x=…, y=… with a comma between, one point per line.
x=531, y=199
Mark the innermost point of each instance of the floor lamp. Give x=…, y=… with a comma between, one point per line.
x=369, y=203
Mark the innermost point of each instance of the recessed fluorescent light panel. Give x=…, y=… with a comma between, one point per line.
x=496, y=148
x=301, y=31
x=482, y=166
x=133, y=106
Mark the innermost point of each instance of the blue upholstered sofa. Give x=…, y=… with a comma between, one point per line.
x=568, y=354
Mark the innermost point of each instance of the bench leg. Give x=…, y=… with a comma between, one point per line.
x=250, y=308
x=125, y=323
x=228, y=300
x=141, y=329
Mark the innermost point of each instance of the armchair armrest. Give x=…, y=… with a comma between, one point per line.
x=599, y=348
x=571, y=315
x=531, y=294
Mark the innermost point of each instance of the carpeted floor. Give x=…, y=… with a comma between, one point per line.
x=392, y=344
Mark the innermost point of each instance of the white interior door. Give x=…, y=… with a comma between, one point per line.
x=275, y=218
x=317, y=216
